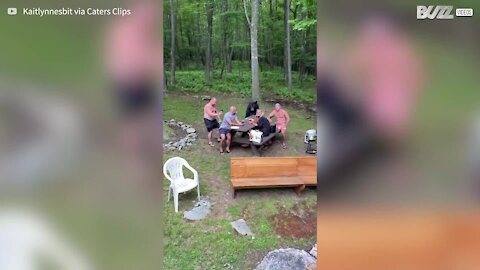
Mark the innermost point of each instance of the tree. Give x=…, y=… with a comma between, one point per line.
x=302, y=26
x=254, y=48
x=208, y=54
x=222, y=32
x=288, y=57
x=172, y=41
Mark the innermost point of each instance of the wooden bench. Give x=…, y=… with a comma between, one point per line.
x=419, y=239
x=273, y=172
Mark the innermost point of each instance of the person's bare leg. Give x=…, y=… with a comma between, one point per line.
x=210, y=138
x=222, y=138
x=229, y=140
x=284, y=138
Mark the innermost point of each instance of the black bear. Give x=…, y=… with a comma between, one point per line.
x=251, y=109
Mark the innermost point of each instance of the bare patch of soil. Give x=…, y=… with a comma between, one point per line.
x=221, y=195
x=173, y=134
x=297, y=222
x=253, y=259
x=311, y=108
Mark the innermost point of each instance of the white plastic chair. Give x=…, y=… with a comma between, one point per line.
x=173, y=171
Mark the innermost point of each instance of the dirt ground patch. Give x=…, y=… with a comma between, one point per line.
x=297, y=222
x=172, y=133
x=220, y=193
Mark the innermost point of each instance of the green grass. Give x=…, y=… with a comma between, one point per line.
x=212, y=243
x=234, y=211
x=190, y=110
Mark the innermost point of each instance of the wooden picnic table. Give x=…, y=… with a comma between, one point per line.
x=244, y=140
x=246, y=127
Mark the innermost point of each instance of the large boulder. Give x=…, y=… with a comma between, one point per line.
x=287, y=259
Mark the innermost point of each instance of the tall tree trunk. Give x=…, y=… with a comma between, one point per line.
x=301, y=64
x=178, y=39
x=270, y=40
x=288, y=58
x=198, y=54
x=254, y=49
x=208, y=55
x=224, y=40
x=172, y=45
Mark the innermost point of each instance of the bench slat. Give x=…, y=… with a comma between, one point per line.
x=267, y=182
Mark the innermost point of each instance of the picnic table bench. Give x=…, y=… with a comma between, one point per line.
x=273, y=172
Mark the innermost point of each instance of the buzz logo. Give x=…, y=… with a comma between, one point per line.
x=434, y=12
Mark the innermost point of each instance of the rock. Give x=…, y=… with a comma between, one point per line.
x=286, y=259
x=188, y=140
x=200, y=210
x=241, y=227
x=206, y=98
x=313, y=252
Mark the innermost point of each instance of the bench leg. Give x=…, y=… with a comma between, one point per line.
x=255, y=150
x=299, y=189
x=234, y=193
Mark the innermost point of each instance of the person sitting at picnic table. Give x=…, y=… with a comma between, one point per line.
x=261, y=123
x=229, y=119
x=210, y=116
x=282, y=119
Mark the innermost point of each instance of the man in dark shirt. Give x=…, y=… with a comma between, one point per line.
x=261, y=123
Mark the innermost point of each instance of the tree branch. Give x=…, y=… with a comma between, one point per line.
x=246, y=13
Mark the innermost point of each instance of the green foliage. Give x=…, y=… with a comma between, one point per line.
x=231, y=42
x=272, y=84
x=302, y=25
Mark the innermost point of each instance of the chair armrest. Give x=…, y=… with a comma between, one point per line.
x=195, y=173
x=167, y=176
